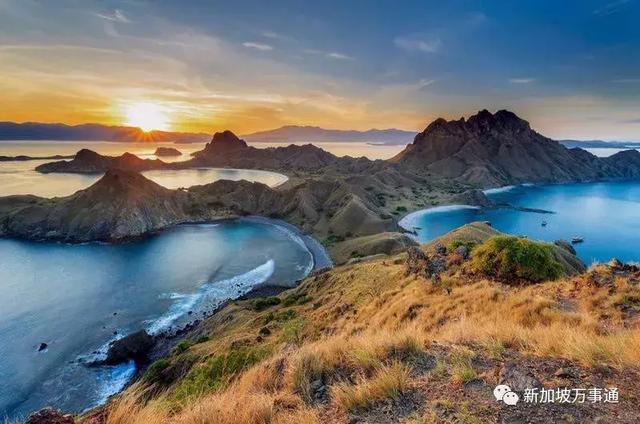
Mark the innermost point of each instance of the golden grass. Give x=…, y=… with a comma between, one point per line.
x=387, y=383
x=357, y=344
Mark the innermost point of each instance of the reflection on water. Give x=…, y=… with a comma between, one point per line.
x=76, y=298
x=605, y=214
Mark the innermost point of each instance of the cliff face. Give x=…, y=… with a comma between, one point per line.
x=498, y=149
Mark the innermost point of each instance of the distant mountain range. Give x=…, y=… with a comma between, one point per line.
x=92, y=132
x=295, y=133
x=285, y=134
x=600, y=144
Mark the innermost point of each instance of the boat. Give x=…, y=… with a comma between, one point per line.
x=577, y=240
x=544, y=223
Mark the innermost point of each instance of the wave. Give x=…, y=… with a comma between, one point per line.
x=114, y=379
x=211, y=295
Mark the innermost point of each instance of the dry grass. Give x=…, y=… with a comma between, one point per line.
x=357, y=345
x=387, y=383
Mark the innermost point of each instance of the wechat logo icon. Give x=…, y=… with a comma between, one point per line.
x=503, y=393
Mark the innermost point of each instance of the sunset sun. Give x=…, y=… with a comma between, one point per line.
x=147, y=116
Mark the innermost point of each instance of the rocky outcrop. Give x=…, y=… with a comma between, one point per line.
x=49, y=416
x=167, y=151
x=89, y=162
x=135, y=346
x=492, y=150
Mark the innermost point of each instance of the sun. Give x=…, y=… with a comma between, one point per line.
x=147, y=116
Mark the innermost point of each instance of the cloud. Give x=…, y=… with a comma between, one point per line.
x=611, y=7
x=339, y=56
x=626, y=81
x=329, y=55
x=257, y=46
x=115, y=16
x=521, y=80
x=414, y=43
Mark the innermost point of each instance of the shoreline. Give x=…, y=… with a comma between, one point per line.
x=165, y=341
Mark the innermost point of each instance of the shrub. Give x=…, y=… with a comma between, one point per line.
x=265, y=303
x=469, y=244
x=218, y=371
x=295, y=298
x=154, y=371
x=509, y=257
x=401, y=209
x=181, y=347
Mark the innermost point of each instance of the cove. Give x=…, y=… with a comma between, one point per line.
x=606, y=215
x=78, y=298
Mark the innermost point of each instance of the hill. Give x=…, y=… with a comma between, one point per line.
x=490, y=150
x=309, y=134
x=384, y=342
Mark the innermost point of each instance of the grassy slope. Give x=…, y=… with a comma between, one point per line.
x=367, y=341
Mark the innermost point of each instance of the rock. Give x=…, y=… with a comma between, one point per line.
x=419, y=263
x=517, y=378
x=135, y=346
x=49, y=416
x=316, y=384
x=264, y=331
x=565, y=373
x=462, y=251
x=167, y=151
x=42, y=347
x=565, y=245
x=440, y=249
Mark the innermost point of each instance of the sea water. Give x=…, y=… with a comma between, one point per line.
x=606, y=215
x=78, y=298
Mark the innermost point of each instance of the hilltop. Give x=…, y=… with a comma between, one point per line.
x=491, y=150
x=414, y=337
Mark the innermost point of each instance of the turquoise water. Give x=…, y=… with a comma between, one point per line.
x=74, y=297
x=606, y=215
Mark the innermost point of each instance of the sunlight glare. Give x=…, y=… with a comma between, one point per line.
x=147, y=116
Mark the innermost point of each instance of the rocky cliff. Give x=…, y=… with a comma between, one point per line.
x=491, y=150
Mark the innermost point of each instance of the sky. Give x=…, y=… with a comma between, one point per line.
x=571, y=68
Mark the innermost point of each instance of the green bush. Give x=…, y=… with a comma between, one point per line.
x=218, y=371
x=509, y=258
x=295, y=298
x=183, y=346
x=265, y=303
x=469, y=244
x=154, y=371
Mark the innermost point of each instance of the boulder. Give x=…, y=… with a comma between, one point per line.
x=49, y=416
x=418, y=263
x=518, y=378
x=135, y=346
